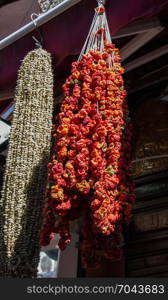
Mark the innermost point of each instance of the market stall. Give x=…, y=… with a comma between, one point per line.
x=140, y=33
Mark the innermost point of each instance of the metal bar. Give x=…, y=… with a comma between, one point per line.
x=42, y=19
x=146, y=58
x=5, y=114
x=138, y=41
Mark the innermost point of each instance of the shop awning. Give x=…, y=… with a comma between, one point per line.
x=65, y=34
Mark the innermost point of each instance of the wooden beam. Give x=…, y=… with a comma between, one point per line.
x=146, y=58
x=154, y=77
x=6, y=95
x=138, y=27
x=138, y=41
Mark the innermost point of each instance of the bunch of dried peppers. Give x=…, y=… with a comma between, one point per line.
x=89, y=172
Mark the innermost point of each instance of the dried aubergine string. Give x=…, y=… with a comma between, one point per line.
x=26, y=168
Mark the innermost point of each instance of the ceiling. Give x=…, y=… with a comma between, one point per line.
x=142, y=43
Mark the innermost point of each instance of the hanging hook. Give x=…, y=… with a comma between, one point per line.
x=34, y=20
x=100, y=9
x=101, y=2
x=37, y=42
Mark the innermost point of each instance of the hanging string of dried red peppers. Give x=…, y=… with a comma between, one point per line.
x=90, y=167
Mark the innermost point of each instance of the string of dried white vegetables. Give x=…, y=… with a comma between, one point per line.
x=25, y=178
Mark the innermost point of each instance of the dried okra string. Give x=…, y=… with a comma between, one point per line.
x=25, y=177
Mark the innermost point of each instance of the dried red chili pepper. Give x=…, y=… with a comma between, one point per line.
x=90, y=167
